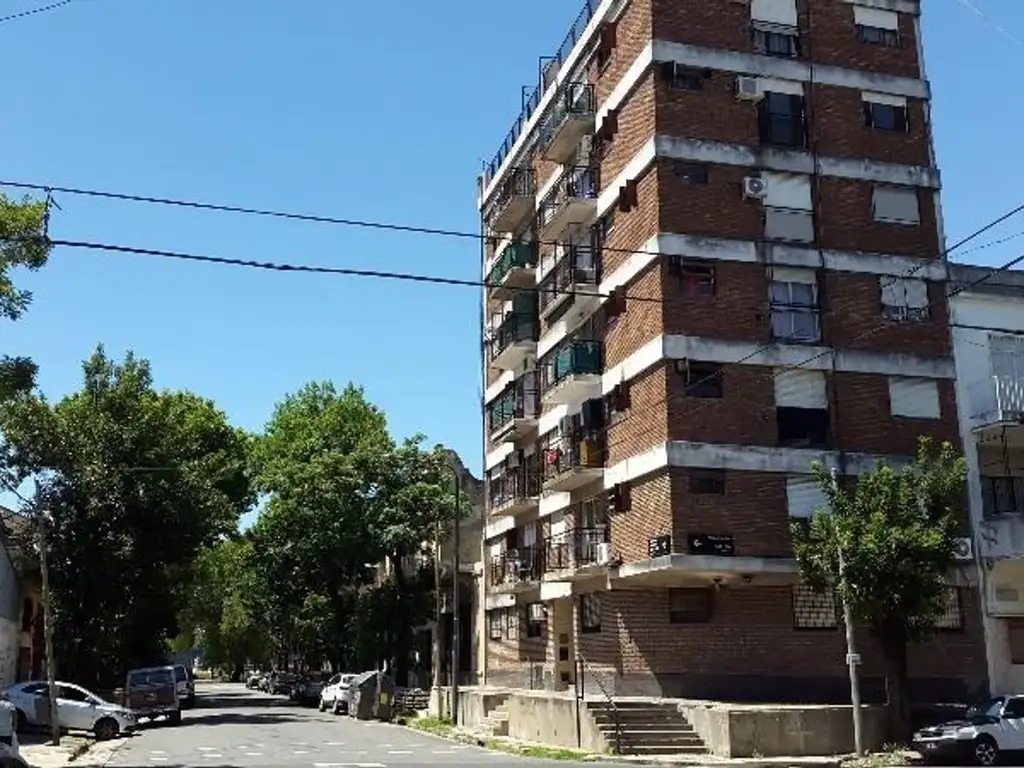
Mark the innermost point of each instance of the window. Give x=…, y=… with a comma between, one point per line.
x=885, y=113
x=812, y=609
x=511, y=624
x=788, y=225
x=691, y=173
x=684, y=78
x=1015, y=629
x=71, y=694
x=794, y=307
x=590, y=614
x=802, y=427
x=690, y=606
x=896, y=205
x=700, y=379
x=781, y=119
x=494, y=624
x=1014, y=709
x=914, y=398
x=695, y=278
x=876, y=26
x=775, y=39
x=1002, y=495
x=800, y=388
x=534, y=620
x=605, y=226
x=904, y=300
x=779, y=12
x=705, y=481
x=804, y=497
x=952, y=616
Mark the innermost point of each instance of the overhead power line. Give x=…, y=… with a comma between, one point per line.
x=34, y=11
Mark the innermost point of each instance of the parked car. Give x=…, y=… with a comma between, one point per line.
x=152, y=692
x=186, y=686
x=10, y=750
x=253, y=680
x=988, y=733
x=77, y=709
x=282, y=683
x=332, y=696
x=306, y=690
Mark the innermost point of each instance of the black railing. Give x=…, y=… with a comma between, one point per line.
x=583, y=668
x=557, y=554
x=577, y=183
x=579, y=265
x=518, y=566
x=571, y=358
x=516, y=327
x=585, y=544
x=516, y=402
x=572, y=99
x=547, y=74
x=522, y=182
x=574, y=451
x=513, y=486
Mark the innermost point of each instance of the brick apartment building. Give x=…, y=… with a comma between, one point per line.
x=714, y=249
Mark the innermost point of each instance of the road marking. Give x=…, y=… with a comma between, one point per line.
x=254, y=754
x=206, y=749
x=399, y=751
x=158, y=759
x=301, y=751
x=349, y=765
x=211, y=755
x=445, y=752
x=335, y=743
x=157, y=752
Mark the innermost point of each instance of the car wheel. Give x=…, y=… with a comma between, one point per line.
x=335, y=708
x=106, y=729
x=322, y=706
x=986, y=751
x=174, y=718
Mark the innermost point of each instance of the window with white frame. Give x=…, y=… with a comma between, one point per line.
x=884, y=112
x=794, y=305
x=914, y=398
x=774, y=27
x=896, y=205
x=877, y=26
x=904, y=300
x=494, y=624
x=788, y=208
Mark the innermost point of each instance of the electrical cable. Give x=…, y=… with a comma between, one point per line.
x=34, y=11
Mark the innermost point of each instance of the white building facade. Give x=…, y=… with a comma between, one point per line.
x=987, y=326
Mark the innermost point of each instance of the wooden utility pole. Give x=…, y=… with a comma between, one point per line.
x=51, y=664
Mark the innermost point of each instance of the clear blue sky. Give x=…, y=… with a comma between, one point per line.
x=371, y=110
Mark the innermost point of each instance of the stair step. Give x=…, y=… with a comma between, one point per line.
x=662, y=749
x=663, y=739
x=651, y=733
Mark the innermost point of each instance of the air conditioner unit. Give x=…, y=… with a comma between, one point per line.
x=749, y=88
x=963, y=550
x=604, y=553
x=755, y=188
x=537, y=612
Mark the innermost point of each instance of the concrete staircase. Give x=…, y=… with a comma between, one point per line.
x=647, y=728
x=496, y=722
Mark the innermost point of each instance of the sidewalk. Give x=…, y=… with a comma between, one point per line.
x=698, y=761
x=74, y=750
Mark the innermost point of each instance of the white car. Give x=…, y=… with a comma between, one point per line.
x=9, y=747
x=77, y=709
x=332, y=697
x=987, y=732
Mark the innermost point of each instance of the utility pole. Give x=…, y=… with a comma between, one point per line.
x=51, y=664
x=435, y=650
x=852, y=657
x=456, y=565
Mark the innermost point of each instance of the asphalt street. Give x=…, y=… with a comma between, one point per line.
x=233, y=726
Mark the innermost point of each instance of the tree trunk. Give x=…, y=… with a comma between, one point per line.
x=894, y=643
x=400, y=629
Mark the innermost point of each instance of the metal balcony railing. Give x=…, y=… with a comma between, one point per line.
x=578, y=265
x=514, y=485
x=997, y=399
x=557, y=554
x=576, y=183
x=572, y=452
x=585, y=542
x=518, y=566
x=547, y=77
x=516, y=402
x=521, y=255
x=573, y=99
x=571, y=359
x=516, y=327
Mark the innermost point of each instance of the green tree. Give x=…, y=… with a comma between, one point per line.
x=342, y=497
x=137, y=481
x=22, y=244
x=896, y=530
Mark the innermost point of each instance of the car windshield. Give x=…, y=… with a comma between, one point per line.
x=180, y=674
x=990, y=707
x=150, y=677
x=347, y=679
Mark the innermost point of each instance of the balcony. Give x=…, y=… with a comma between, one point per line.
x=514, y=201
x=586, y=545
x=557, y=555
x=997, y=402
x=514, y=492
x=516, y=411
x=572, y=202
x=515, y=270
x=517, y=568
x=571, y=118
x=572, y=373
x=574, y=279
x=515, y=341
x=572, y=462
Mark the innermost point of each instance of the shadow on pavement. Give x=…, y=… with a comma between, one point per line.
x=238, y=700
x=197, y=718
